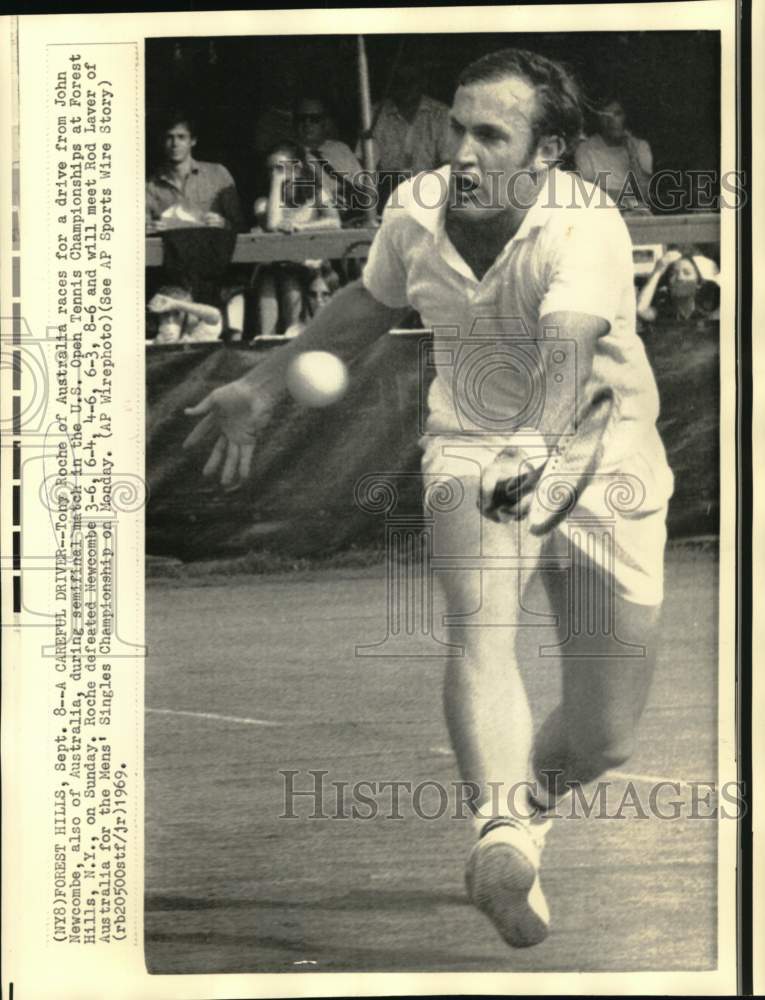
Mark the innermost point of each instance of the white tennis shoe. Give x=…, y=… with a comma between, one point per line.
x=503, y=880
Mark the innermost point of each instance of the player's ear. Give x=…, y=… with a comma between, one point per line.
x=549, y=151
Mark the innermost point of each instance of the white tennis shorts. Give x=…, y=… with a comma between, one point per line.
x=619, y=520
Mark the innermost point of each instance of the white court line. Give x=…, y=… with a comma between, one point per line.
x=653, y=779
x=213, y=715
x=622, y=775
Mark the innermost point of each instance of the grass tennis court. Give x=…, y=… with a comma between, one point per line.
x=251, y=675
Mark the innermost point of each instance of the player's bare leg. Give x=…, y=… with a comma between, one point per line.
x=487, y=711
x=603, y=696
x=489, y=722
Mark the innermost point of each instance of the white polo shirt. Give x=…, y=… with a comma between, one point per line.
x=572, y=252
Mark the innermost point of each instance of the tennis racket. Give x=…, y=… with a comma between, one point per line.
x=558, y=483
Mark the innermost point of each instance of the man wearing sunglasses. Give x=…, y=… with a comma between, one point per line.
x=339, y=167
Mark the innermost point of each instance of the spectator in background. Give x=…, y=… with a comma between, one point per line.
x=179, y=318
x=276, y=123
x=322, y=283
x=616, y=160
x=189, y=192
x=338, y=169
x=280, y=90
x=297, y=202
x=682, y=288
x=411, y=130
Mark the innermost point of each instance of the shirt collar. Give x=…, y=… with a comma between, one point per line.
x=164, y=174
x=429, y=203
x=539, y=211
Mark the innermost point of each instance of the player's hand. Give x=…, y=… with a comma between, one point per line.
x=236, y=412
x=156, y=226
x=507, y=486
x=286, y=227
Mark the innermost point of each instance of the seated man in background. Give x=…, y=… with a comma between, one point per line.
x=338, y=170
x=189, y=192
x=411, y=130
x=179, y=318
x=616, y=160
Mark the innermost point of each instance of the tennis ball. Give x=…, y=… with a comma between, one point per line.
x=317, y=378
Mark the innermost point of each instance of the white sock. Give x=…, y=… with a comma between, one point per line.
x=490, y=812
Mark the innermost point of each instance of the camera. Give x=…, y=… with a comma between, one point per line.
x=498, y=379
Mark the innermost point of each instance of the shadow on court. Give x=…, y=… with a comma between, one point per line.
x=249, y=677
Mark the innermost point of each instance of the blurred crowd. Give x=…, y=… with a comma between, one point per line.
x=314, y=181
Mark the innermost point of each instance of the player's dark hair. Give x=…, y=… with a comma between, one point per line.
x=558, y=93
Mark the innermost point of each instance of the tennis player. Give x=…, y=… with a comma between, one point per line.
x=502, y=247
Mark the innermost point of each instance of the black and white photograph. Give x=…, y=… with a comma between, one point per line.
x=377, y=400
x=433, y=339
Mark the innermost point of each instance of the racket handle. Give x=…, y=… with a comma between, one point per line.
x=509, y=492
x=575, y=462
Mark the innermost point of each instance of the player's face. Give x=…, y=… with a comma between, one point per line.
x=179, y=143
x=311, y=122
x=493, y=147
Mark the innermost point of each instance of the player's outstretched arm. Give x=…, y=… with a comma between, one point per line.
x=234, y=414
